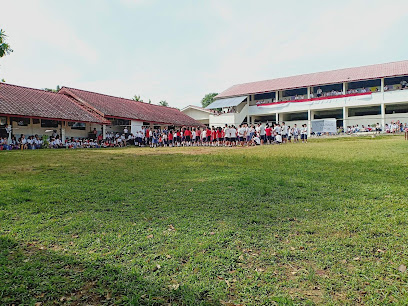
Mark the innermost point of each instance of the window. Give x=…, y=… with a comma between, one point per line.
x=77, y=125
x=49, y=123
x=36, y=121
x=21, y=121
x=120, y=122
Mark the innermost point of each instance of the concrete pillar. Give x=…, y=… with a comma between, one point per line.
x=308, y=92
x=345, y=116
x=277, y=96
x=104, y=131
x=309, y=122
x=63, y=132
x=277, y=117
x=345, y=87
x=383, y=116
x=248, y=117
x=382, y=87
x=9, y=133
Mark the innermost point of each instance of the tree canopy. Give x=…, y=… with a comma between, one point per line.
x=5, y=48
x=163, y=103
x=137, y=98
x=208, y=99
x=57, y=89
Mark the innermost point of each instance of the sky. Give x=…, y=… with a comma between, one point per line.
x=180, y=50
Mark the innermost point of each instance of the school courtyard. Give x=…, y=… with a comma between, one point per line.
x=317, y=223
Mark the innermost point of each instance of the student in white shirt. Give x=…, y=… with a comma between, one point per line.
x=284, y=132
x=241, y=134
x=304, y=133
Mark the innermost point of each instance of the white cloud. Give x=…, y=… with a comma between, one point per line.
x=31, y=25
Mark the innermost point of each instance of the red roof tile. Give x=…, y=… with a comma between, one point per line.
x=37, y=103
x=129, y=109
x=319, y=78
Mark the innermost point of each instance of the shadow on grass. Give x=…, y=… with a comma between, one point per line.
x=31, y=274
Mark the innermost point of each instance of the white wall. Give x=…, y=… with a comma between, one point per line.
x=198, y=115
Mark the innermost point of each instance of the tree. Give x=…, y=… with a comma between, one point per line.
x=137, y=98
x=5, y=48
x=53, y=90
x=208, y=99
x=163, y=103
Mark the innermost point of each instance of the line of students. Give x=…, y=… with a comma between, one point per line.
x=229, y=135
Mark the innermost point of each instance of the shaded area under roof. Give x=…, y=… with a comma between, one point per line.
x=29, y=102
x=226, y=102
x=319, y=78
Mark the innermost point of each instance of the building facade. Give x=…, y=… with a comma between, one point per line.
x=354, y=96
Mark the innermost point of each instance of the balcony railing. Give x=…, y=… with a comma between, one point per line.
x=317, y=98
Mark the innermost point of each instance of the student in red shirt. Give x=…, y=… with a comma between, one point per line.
x=268, y=133
x=209, y=136
x=187, y=136
x=178, y=137
x=219, y=136
x=213, y=135
x=198, y=136
x=170, y=138
x=147, y=137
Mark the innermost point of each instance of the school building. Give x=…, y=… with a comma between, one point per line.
x=363, y=95
x=76, y=113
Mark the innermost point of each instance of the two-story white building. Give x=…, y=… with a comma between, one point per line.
x=353, y=96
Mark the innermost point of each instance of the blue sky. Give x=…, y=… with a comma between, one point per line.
x=180, y=50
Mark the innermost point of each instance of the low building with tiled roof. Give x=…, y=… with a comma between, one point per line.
x=125, y=112
x=34, y=111
x=79, y=113
x=362, y=95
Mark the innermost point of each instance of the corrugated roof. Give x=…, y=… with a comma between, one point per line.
x=319, y=78
x=129, y=109
x=226, y=102
x=37, y=103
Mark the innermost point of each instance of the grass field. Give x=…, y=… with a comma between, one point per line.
x=322, y=223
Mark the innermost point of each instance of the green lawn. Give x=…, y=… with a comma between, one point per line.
x=317, y=223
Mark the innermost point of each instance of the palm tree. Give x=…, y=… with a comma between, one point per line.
x=137, y=98
x=4, y=47
x=163, y=103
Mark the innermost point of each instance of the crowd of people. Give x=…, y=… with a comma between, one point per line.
x=229, y=135
x=392, y=128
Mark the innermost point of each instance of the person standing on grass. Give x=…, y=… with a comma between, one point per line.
x=219, y=137
x=304, y=133
x=208, y=135
x=290, y=134
x=284, y=130
x=278, y=130
x=241, y=133
x=262, y=133
x=268, y=134
x=204, y=137
x=188, y=136
x=214, y=136
x=193, y=137
x=226, y=135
